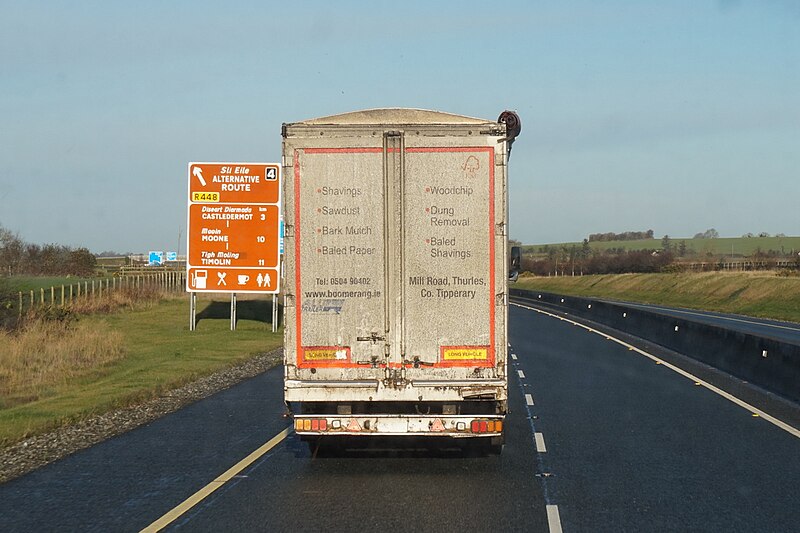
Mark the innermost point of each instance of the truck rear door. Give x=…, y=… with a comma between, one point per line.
x=397, y=238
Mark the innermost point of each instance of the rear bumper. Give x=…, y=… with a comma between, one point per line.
x=374, y=390
x=456, y=426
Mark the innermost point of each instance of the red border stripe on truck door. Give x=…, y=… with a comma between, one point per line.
x=301, y=362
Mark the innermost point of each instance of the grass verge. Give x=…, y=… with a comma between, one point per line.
x=758, y=294
x=157, y=353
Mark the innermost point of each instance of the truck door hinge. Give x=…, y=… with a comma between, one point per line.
x=500, y=299
x=500, y=228
x=288, y=230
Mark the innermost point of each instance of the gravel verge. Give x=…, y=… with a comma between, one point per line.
x=34, y=452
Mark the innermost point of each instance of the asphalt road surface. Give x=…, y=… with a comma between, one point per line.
x=600, y=438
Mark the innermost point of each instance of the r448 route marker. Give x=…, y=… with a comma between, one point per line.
x=233, y=221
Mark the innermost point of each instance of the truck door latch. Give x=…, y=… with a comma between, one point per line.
x=373, y=338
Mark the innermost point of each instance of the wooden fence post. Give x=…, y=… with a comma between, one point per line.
x=62, y=295
x=52, y=296
x=41, y=296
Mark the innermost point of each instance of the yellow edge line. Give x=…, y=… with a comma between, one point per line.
x=730, y=397
x=203, y=493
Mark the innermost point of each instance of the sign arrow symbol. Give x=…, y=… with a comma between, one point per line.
x=198, y=172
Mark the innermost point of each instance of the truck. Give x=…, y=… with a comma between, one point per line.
x=396, y=274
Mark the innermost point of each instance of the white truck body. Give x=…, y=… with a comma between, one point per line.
x=396, y=274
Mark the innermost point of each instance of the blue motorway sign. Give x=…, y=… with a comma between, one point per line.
x=155, y=258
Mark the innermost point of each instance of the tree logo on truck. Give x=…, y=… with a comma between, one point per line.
x=471, y=166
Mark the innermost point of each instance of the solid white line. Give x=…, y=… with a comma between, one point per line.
x=514, y=356
x=521, y=373
x=553, y=520
x=730, y=397
x=529, y=399
x=226, y=476
x=539, y=438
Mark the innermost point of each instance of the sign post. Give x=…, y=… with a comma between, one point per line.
x=233, y=237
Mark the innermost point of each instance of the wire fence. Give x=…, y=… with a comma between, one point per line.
x=64, y=295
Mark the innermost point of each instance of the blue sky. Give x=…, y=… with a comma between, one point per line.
x=675, y=116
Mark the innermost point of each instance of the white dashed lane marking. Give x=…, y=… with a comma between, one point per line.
x=529, y=399
x=521, y=374
x=553, y=520
x=540, y=447
x=514, y=356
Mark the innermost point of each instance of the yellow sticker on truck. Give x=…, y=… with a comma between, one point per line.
x=464, y=353
x=325, y=354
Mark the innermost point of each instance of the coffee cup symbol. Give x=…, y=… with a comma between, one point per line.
x=243, y=279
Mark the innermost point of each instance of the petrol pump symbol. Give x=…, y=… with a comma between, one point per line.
x=200, y=279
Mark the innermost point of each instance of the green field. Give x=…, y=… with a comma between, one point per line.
x=160, y=353
x=722, y=246
x=759, y=294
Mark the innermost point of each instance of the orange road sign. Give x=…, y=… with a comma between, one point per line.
x=233, y=221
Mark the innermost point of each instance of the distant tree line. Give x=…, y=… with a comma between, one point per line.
x=624, y=236
x=20, y=257
x=762, y=234
x=574, y=259
x=710, y=233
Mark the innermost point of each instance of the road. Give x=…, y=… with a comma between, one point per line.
x=606, y=437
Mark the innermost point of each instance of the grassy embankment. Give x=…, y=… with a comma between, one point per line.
x=722, y=246
x=759, y=294
x=57, y=371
